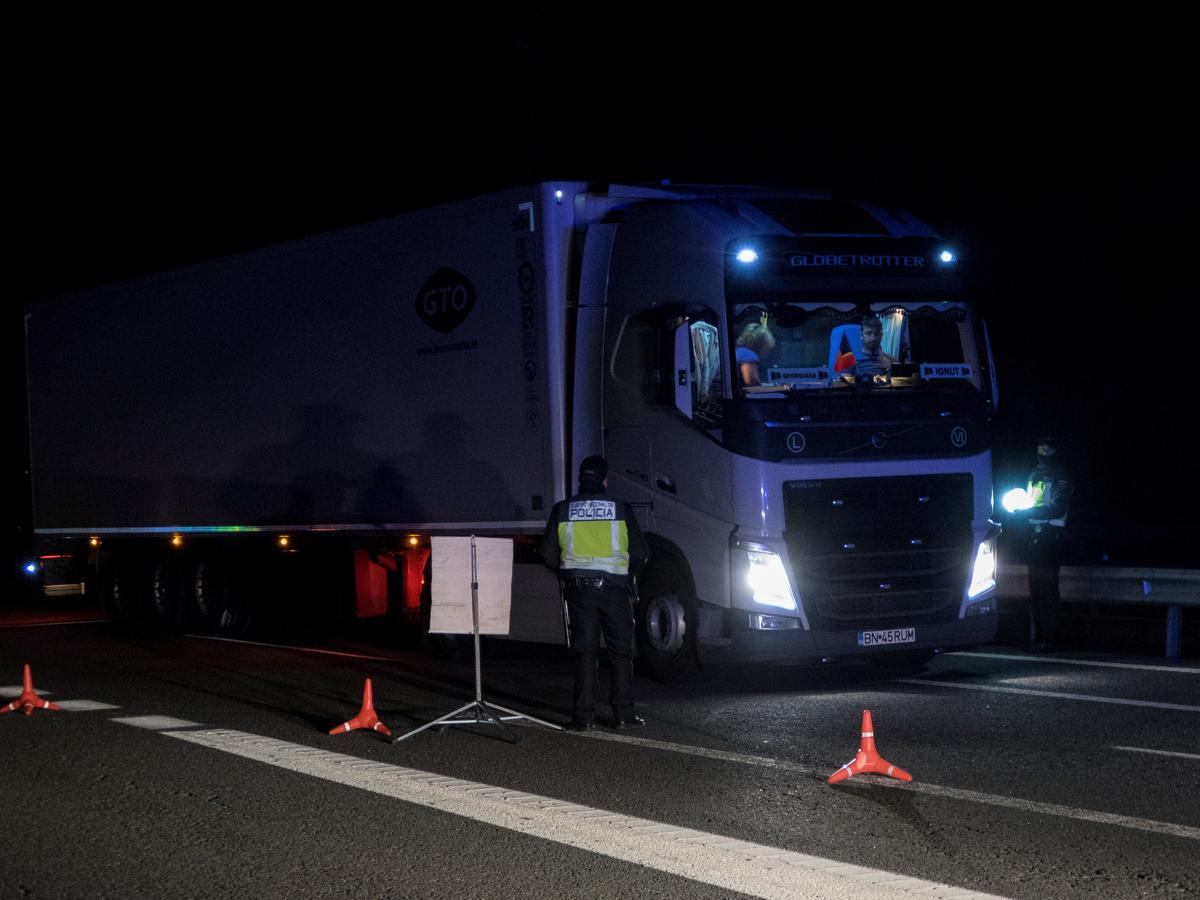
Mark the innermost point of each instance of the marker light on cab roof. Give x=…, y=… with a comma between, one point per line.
x=747, y=255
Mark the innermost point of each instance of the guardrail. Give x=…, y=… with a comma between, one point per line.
x=1172, y=588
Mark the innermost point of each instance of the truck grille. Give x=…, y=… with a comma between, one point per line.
x=880, y=552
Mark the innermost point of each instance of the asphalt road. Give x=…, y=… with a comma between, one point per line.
x=208, y=772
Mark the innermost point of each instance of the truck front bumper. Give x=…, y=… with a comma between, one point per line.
x=795, y=645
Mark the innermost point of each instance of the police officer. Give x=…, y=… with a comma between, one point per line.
x=1049, y=489
x=595, y=543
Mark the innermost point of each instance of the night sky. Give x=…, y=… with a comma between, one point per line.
x=1056, y=155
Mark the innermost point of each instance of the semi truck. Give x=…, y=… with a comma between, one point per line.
x=286, y=429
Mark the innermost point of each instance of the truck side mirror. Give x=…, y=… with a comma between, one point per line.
x=683, y=369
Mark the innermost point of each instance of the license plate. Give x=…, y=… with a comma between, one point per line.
x=888, y=636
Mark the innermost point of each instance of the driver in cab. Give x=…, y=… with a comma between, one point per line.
x=873, y=361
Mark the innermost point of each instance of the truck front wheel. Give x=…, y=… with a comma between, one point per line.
x=666, y=624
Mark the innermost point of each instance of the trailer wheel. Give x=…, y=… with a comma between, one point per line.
x=168, y=605
x=666, y=624
x=218, y=606
x=119, y=584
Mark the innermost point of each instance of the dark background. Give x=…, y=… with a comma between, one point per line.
x=1056, y=155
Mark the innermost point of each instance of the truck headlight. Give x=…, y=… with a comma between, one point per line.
x=768, y=580
x=983, y=573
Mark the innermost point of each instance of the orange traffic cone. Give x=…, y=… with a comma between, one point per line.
x=29, y=700
x=366, y=717
x=867, y=759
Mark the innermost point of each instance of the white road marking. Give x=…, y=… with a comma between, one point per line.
x=1051, y=809
x=1060, y=695
x=157, y=723
x=83, y=705
x=209, y=637
x=65, y=705
x=1145, y=667
x=48, y=624
x=1175, y=753
x=726, y=863
x=935, y=790
x=706, y=752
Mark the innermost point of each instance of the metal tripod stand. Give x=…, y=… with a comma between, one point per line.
x=483, y=713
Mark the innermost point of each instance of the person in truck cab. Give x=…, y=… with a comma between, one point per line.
x=872, y=360
x=755, y=342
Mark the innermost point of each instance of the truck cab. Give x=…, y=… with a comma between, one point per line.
x=834, y=503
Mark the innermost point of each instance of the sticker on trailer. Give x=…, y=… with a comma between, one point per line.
x=888, y=636
x=945, y=370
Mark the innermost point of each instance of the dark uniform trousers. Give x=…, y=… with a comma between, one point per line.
x=1045, y=555
x=597, y=605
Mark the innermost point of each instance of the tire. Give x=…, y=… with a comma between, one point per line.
x=220, y=603
x=168, y=603
x=666, y=622
x=93, y=585
x=120, y=581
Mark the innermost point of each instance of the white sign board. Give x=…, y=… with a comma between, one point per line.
x=450, y=601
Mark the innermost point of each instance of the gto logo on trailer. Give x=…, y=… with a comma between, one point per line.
x=445, y=300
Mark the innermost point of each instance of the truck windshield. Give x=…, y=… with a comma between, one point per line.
x=780, y=347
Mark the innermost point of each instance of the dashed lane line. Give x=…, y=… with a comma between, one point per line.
x=64, y=705
x=83, y=705
x=157, y=723
x=1062, y=661
x=342, y=653
x=1058, y=695
x=1174, y=753
x=38, y=624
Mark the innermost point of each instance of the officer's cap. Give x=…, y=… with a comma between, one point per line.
x=594, y=468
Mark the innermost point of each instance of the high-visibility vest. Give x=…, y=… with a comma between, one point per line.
x=1041, y=492
x=592, y=537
